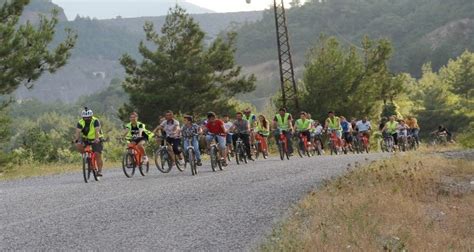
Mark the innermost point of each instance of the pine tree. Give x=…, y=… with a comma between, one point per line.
x=180, y=72
x=24, y=49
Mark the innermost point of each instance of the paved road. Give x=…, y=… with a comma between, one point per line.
x=229, y=210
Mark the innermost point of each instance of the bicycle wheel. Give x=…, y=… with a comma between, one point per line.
x=144, y=168
x=258, y=148
x=85, y=169
x=243, y=154
x=128, y=164
x=301, y=148
x=213, y=158
x=179, y=166
x=162, y=161
x=93, y=168
x=281, y=150
x=238, y=158
x=319, y=148
x=191, y=161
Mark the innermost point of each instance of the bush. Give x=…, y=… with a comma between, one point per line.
x=466, y=139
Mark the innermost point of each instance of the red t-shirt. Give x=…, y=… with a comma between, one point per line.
x=216, y=128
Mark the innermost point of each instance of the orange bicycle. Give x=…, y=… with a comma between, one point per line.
x=133, y=159
x=89, y=164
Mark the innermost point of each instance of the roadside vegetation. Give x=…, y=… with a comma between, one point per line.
x=412, y=202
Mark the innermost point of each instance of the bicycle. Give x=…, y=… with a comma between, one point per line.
x=283, y=145
x=133, y=159
x=317, y=143
x=240, y=153
x=387, y=143
x=261, y=146
x=164, y=156
x=214, y=154
x=334, y=142
x=412, y=145
x=89, y=164
x=303, y=145
x=190, y=156
x=439, y=138
x=402, y=142
x=363, y=143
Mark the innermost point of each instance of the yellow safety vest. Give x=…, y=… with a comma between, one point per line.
x=283, y=122
x=91, y=134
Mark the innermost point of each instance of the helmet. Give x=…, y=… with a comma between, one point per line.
x=87, y=113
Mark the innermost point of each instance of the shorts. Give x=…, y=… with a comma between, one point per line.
x=96, y=147
x=347, y=137
x=221, y=141
x=139, y=139
x=228, y=139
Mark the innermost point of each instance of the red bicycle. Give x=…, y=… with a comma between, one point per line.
x=89, y=164
x=304, y=145
x=283, y=146
x=133, y=159
x=334, y=142
x=261, y=146
x=363, y=143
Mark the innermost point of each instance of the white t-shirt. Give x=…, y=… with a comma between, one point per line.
x=318, y=130
x=227, y=127
x=171, y=128
x=363, y=126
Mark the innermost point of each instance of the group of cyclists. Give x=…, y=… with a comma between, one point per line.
x=246, y=127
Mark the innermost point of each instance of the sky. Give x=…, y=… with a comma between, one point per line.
x=74, y=7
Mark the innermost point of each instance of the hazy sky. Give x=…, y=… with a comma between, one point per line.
x=74, y=7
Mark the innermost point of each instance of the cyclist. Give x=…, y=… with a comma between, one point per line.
x=402, y=131
x=89, y=132
x=252, y=119
x=192, y=130
x=318, y=133
x=172, y=130
x=263, y=129
x=414, y=130
x=228, y=125
x=216, y=127
x=333, y=123
x=241, y=130
x=346, y=131
x=303, y=126
x=391, y=129
x=364, y=127
x=283, y=122
x=137, y=133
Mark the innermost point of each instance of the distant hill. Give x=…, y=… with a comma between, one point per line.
x=125, y=9
x=94, y=62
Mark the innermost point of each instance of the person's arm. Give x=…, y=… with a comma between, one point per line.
x=140, y=130
x=223, y=127
x=97, y=131
x=77, y=135
x=290, y=123
x=275, y=123
x=125, y=132
x=248, y=126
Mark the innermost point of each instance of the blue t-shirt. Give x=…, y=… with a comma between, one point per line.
x=346, y=126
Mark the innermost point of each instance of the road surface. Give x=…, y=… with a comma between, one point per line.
x=230, y=210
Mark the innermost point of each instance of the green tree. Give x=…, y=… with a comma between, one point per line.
x=24, y=49
x=180, y=73
x=459, y=74
x=349, y=82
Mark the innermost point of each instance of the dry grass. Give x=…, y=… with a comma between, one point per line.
x=412, y=202
x=35, y=170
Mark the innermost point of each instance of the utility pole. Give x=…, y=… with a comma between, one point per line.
x=289, y=89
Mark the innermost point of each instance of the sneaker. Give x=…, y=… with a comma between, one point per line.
x=145, y=159
x=199, y=163
x=99, y=174
x=251, y=159
x=223, y=162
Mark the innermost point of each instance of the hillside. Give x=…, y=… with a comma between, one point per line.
x=421, y=31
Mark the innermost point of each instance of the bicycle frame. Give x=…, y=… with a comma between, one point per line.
x=133, y=149
x=284, y=140
x=304, y=140
x=89, y=153
x=263, y=143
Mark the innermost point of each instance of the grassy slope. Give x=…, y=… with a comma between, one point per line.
x=414, y=202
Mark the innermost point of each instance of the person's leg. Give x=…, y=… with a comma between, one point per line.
x=234, y=140
x=221, y=144
x=80, y=147
x=395, y=138
x=98, y=148
x=196, y=148
x=186, y=144
x=264, y=143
